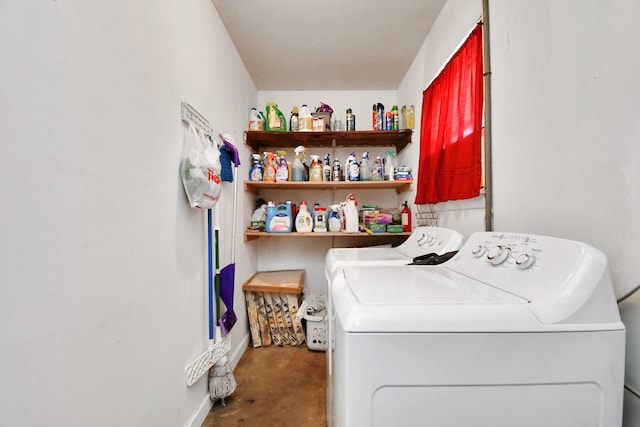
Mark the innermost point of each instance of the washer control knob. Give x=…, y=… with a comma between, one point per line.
x=478, y=251
x=498, y=255
x=432, y=240
x=525, y=261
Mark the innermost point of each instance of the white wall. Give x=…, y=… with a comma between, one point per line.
x=103, y=269
x=565, y=124
x=455, y=22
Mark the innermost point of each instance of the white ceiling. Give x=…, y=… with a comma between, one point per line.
x=329, y=44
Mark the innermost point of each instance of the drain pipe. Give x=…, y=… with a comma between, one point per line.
x=488, y=174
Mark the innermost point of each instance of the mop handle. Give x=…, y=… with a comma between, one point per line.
x=236, y=162
x=210, y=296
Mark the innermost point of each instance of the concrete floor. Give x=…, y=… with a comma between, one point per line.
x=277, y=386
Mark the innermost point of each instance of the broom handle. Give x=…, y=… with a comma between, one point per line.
x=217, y=278
x=210, y=291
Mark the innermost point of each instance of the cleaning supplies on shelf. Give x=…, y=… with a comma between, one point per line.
x=294, y=123
x=256, y=171
x=279, y=217
x=336, y=170
x=379, y=116
x=365, y=168
x=335, y=218
x=354, y=168
x=351, y=120
x=304, y=220
x=390, y=166
x=282, y=170
x=315, y=172
x=351, y=215
x=297, y=170
x=275, y=119
x=255, y=122
x=396, y=118
x=270, y=169
x=326, y=168
x=305, y=119
x=377, y=170
x=319, y=219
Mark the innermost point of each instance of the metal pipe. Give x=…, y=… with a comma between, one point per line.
x=488, y=175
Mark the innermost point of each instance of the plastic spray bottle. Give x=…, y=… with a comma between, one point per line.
x=270, y=168
x=255, y=174
x=365, y=167
x=376, y=170
x=326, y=169
x=282, y=170
x=335, y=221
x=354, y=168
x=297, y=171
x=315, y=172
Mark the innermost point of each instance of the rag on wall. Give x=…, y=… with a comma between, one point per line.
x=226, y=158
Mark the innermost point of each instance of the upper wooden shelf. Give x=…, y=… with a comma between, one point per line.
x=398, y=138
x=399, y=186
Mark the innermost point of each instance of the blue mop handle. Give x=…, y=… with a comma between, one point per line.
x=210, y=252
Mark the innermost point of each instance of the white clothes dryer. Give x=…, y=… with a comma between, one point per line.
x=515, y=330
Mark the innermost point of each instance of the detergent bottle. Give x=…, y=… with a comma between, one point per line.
x=315, y=172
x=365, y=168
x=255, y=123
x=297, y=171
x=304, y=220
x=351, y=215
x=279, y=218
x=275, y=119
x=294, y=123
x=270, y=170
x=305, y=119
x=255, y=174
x=326, y=168
x=282, y=170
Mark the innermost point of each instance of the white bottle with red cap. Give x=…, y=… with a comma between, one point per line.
x=351, y=215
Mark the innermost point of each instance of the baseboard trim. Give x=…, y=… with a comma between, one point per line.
x=201, y=413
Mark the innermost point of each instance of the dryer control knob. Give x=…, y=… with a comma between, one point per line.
x=478, y=251
x=525, y=261
x=498, y=255
x=432, y=240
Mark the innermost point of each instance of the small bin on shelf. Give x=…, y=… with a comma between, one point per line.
x=273, y=299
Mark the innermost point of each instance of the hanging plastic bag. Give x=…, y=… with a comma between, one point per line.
x=200, y=169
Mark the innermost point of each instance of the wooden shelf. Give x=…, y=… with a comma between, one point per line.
x=398, y=138
x=399, y=186
x=252, y=235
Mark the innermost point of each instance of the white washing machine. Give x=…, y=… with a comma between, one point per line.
x=630, y=313
x=422, y=241
x=515, y=330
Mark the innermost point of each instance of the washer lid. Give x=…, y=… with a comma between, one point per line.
x=415, y=299
x=340, y=257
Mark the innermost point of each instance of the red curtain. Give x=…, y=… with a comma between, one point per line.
x=450, y=164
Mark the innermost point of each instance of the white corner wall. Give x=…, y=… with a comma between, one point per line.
x=103, y=267
x=566, y=134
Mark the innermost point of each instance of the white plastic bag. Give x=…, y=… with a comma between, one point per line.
x=200, y=169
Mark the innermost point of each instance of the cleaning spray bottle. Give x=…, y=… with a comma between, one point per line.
x=270, y=169
x=297, y=171
x=351, y=215
x=376, y=170
x=326, y=168
x=315, y=172
x=255, y=174
x=304, y=219
x=275, y=119
x=406, y=217
x=390, y=166
x=365, y=167
x=354, y=168
x=335, y=218
x=282, y=170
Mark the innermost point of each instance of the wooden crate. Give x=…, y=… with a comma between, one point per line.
x=273, y=299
